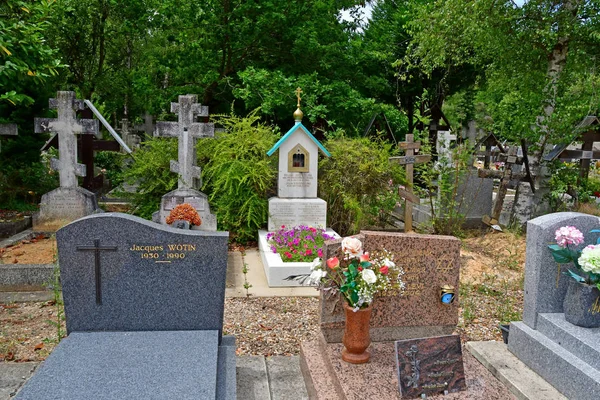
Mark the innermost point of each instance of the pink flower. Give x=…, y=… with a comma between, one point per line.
x=320, y=252
x=333, y=263
x=352, y=247
x=364, y=257
x=568, y=235
x=288, y=255
x=384, y=270
x=308, y=252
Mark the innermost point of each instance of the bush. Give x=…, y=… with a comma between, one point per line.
x=152, y=175
x=239, y=176
x=112, y=162
x=357, y=182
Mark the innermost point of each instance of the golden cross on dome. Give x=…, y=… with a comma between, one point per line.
x=298, y=91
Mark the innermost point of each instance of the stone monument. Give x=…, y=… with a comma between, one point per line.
x=565, y=355
x=187, y=131
x=144, y=308
x=297, y=202
x=68, y=202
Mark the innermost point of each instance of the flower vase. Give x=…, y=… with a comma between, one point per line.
x=582, y=305
x=356, y=335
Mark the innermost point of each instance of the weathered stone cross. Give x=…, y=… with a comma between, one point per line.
x=96, y=249
x=409, y=146
x=187, y=131
x=67, y=126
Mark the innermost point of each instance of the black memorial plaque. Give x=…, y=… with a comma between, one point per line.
x=430, y=366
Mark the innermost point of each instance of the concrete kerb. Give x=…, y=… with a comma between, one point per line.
x=523, y=382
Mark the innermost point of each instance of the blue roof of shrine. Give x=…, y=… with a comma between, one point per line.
x=290, y=132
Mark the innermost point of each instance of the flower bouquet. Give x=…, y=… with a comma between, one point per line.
x=581, y=305
x=357, y=275
x=586, y=261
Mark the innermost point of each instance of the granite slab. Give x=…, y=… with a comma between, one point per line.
x=128, y=365
x=429, y=262
x=144, y=277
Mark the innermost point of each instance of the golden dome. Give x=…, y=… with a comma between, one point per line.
x=298, y=114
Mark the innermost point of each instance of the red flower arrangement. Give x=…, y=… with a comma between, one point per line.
x=184, y=212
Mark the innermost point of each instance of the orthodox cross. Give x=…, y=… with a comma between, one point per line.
x=298, y=91
x=506, y=176
x=96, y=249
x=187, y=131
x=8, y=130
x=409, y=159
x=67, y=126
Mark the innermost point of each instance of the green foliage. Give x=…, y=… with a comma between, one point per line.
x=443, y=181
x=239, y=175
x=25, y=56
x=358, y=183
x=152, y=174
x=112, y=162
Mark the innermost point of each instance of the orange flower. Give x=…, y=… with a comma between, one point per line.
x=185, y=212
x=333, y=263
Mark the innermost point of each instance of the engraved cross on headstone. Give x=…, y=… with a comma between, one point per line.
x=187, y=131
x=409, y=146
x=96, y=249
x=67, y=126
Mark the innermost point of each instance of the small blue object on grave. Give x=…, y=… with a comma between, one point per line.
x=144, y=309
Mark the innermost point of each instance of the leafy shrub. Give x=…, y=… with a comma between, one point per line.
x=112, y=162
x=357, y=182
x=238, y=175
x=151, y=174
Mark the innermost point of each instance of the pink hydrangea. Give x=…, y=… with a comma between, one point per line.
x=568, y=235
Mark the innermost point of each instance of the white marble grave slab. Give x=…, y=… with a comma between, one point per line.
x=294, y=212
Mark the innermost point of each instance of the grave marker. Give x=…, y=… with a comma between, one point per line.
x=186, y=131
x=409, y=146
x=69, y=201
x=157, y=331
x=430, y=366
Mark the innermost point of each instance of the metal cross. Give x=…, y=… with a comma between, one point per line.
x=96, y=249
x=187, y=131
x=298, y=91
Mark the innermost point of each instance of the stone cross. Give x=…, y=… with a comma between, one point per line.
x=97, y=272
x=187, y=131
x=444, y=139
x=409, y=146
x=8, y=130
x=67, y=126
x=147, y=126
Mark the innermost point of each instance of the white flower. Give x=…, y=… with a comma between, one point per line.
x=590, y=259
x=352, y=247
x=369, y=276
x=316, y=263
x=317, y=274
x=389, y=263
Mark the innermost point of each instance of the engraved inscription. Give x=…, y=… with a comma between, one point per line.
x=290, y=214
x=162, y=253
x=299, y=180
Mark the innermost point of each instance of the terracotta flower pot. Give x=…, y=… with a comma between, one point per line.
x=356, y=335
x=582, y=305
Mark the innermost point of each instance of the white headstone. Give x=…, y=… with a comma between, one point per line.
x=443, y=146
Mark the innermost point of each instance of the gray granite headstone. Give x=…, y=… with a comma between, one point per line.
x=474, y=197
x=196, y=199
x=545, y=282
x=563, y=354
x=146, y=277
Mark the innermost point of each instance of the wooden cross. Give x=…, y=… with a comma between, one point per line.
x=409, y=146
x=298, y=91
x=8, y=130
x=96, y=249
x=67, y=126
x=506, y=176
x=187, y=131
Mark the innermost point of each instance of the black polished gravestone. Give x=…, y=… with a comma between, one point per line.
x=144, y=311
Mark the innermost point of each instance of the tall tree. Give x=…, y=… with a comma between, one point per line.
x=536, y=57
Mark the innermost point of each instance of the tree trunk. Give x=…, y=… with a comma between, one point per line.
x=528, y=205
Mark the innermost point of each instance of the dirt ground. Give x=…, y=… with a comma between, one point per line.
x=491, y=292
x=40, y=250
